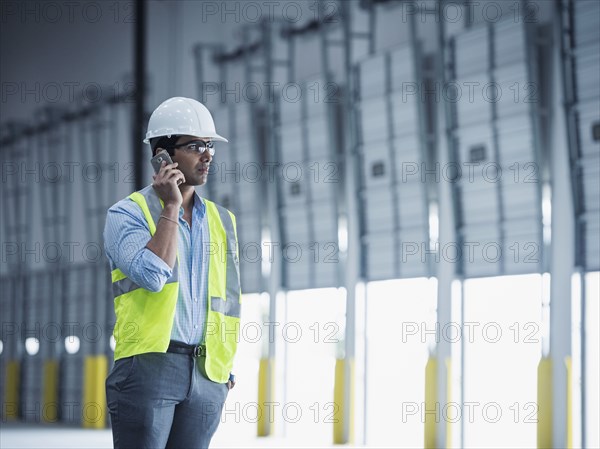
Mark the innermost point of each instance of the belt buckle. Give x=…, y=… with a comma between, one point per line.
x=198, y=351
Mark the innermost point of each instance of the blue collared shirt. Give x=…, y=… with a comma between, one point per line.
x=126, y=234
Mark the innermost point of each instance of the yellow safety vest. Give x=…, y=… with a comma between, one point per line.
x=145, y=318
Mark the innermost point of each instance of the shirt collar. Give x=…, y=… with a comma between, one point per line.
x=198, y=208
x=199, y=205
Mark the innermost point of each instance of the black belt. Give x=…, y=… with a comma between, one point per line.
x=182, y=348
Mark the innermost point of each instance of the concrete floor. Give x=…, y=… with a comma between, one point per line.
x=27, y=436
x=13, y=436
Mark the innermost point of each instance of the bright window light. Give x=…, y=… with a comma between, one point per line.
x=72, y=344
x=502, y=351
x=400, y=331
x=313, y=335
x=592, y=363
x=32, y=345
x=343, y=234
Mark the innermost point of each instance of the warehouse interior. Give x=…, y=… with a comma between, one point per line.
x=417, y=193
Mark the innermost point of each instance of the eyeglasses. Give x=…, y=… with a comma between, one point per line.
x=197, y=145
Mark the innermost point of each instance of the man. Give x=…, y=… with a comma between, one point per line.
x=175, y=274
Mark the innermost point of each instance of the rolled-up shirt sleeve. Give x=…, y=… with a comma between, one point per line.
x=126, y=235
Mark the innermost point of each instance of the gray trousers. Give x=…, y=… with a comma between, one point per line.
x=160, y=400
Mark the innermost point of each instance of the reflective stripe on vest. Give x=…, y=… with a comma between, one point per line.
x=145, y=319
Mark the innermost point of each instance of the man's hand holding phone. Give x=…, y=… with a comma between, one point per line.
x=167, y=179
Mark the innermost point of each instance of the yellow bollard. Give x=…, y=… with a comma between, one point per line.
x=10, y=408
x=343, y=415
x=431, y=397
x=265, y=422
x=544, y=402
x=50, y=392
x=94, y=398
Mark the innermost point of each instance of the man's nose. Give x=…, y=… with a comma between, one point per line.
x=206, y=157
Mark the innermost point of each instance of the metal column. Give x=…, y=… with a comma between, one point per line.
x=139, y=117
x=352, y=259
x=437, y=434
x=563, y=257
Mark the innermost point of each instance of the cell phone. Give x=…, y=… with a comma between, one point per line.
x=157, y=160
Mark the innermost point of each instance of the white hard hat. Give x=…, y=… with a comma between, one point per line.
x=182, y=116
